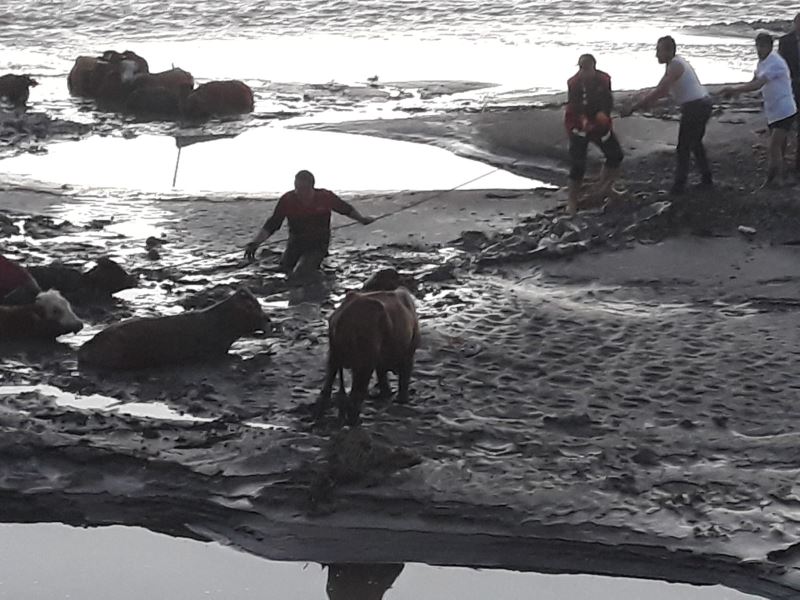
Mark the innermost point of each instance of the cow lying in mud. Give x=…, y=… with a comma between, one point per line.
x=101, y=281
x=371, y=331
x=48, y=317
x=19, y=285
x=188, y=337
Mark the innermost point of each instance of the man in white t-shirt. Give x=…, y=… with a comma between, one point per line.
x=681, y=82
x=772, y=77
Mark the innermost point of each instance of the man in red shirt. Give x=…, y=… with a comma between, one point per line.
x=308, y=210
x=587, y=119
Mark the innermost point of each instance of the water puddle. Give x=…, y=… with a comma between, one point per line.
x=98, y=402
x=126, y=563
x=149, y=410
x=261, y=160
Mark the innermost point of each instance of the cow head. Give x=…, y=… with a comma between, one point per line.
x=55, y=315
x=29, y=81
x=248, y=315
x=109, y=277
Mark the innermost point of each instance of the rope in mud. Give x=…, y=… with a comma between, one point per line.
x=385, y=215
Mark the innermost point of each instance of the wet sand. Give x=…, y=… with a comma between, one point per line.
x=610, y=394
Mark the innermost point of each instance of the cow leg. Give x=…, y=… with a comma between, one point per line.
x=324, y=399
x=404, y=378
x=384, y=389
x=350, y=409
x=342, y=391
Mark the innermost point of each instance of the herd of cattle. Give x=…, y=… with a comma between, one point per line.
x=122, y=81
x=374, y=330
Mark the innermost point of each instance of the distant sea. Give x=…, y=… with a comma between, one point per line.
x=519, y=44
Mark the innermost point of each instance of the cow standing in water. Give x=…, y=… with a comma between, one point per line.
x=218, y=99
x=375, y=331
x=159, y=93
x=106, y=78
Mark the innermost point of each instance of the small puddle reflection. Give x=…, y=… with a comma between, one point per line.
x=129, y=563
x=150, y=410
x=145, y=410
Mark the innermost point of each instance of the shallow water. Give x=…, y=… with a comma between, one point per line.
x=259, y=161
x=279, y=47
x=55, y=561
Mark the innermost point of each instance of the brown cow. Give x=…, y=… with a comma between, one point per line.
x=16, y=88
x=219, y=98
x=385, y=280
x=105, y=78
x=370, y=331
x=47, y=318
x=159, y=93
x=101, y=281
x=191, y=336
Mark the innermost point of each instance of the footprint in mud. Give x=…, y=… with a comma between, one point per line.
x=577, y=425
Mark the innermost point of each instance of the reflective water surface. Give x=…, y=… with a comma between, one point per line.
x=261, y=160
x=57, y=562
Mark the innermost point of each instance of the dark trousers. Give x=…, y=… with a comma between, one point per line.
x=579, y=147
x=694, y=117
x=796, y=88
x=302, y=258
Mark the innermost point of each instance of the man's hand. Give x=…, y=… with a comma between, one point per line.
x=250, y=251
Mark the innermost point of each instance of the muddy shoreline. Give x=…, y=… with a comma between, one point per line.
x=610, y=394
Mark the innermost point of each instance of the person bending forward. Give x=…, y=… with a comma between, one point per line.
x=308, y=211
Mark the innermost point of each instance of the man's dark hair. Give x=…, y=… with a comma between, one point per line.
x=305, y=176
x=587, y=58
x=669, y=42
x=765, y=39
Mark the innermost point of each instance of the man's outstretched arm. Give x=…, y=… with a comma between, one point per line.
x=270, y=226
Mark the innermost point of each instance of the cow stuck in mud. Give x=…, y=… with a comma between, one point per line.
x=105, y=278
x=192, y=336
x=48, y=317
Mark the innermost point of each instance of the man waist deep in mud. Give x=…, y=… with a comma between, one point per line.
x=587, y=119
x=682, y=83
x=308, y=211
